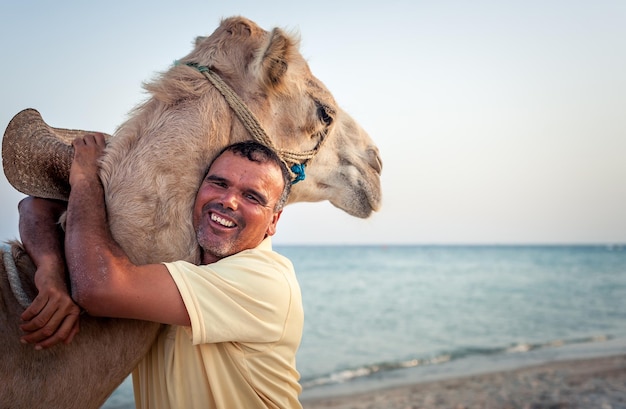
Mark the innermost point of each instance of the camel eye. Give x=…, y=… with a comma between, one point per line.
x=325, y=114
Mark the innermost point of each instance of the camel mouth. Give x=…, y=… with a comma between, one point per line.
x=360, y=201
x=373, y=201
x=366, y=196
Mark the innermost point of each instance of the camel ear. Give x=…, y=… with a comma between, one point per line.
x=274, y=64
x=238, y=26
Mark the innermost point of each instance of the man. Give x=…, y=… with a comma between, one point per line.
x=235, y=321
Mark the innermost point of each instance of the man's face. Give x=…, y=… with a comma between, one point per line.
x=234, y=207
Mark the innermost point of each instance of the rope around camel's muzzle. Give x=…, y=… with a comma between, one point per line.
x=13, y=276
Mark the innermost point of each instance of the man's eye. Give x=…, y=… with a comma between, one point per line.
x=218, y=183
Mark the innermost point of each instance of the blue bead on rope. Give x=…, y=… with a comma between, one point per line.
x=298, y=170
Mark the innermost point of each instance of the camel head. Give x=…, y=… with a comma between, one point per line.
x=297, y=112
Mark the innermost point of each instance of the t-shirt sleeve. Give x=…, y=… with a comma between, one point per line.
x=242, y=298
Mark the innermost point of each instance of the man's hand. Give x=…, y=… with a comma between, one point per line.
x=87, y=151
x=53, y=316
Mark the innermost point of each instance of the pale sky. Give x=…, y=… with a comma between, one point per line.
x=499, y=122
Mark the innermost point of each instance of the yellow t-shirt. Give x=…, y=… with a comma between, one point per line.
x=246, y=325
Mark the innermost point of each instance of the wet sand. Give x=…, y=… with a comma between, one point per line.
x=590, y=383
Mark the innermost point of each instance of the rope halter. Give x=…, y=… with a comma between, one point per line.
x=13, y=276
x=295, y=161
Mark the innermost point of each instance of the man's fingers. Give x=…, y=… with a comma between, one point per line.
x=49, y=324
x=41, y=331
x=75, y=330
x=40, y=320
x=65, y=333
x=34, y=308
x=90, y=139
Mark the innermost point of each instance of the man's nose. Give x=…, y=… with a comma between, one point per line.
x=229, y=200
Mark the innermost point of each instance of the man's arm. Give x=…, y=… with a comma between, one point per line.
x=104, y=281
x=52, y=317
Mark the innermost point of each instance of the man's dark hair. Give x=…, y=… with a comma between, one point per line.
x=257, y=152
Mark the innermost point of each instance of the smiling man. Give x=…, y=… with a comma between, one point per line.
x=235, y=320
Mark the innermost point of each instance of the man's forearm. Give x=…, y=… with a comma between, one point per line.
x=96, y=263
x=88, y=242
x=52, y=316
x=41, y=234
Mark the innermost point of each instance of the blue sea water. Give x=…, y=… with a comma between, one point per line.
x=385, y=315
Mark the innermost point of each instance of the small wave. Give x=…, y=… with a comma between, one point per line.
x=350, y=374
x=526, y=347
x=520, y=348
x=363, y=371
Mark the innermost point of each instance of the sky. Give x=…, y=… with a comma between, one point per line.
x=498, y=122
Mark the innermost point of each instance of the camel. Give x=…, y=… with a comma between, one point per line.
x=151, y=170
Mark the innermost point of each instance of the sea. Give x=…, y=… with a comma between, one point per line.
x=386, y=315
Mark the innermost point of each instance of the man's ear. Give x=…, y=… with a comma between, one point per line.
x=271, y=229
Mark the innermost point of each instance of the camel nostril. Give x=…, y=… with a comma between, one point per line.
x=374, y=159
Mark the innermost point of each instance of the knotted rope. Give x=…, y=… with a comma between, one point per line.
x=297, y=160
x=13, y=276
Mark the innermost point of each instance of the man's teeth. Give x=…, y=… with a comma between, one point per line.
x=225, y=223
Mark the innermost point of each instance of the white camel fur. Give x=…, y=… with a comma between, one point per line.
x=151, y=171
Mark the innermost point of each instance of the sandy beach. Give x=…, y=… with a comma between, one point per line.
x=589, y=383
